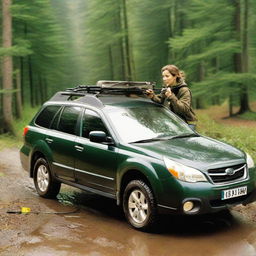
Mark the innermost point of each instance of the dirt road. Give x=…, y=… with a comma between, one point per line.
x=91, y=225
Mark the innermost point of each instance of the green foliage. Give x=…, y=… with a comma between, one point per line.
x=8, y=91
x=7, y=140
x=59, y=44
x=104, y=37
x=248, y=116
x=223, y=84
x=19, y=124
x=212, y=50
x=243, y=138
x=149, y=29
x=215, y=49
x=22, y=48
x=39, y=37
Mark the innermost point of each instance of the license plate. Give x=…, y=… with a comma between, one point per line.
x=235, y=192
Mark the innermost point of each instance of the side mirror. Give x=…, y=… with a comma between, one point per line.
x=100, y=137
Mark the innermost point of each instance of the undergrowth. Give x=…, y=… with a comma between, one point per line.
x=241, y=137
x=9, y=141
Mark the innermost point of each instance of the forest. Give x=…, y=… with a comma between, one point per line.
x=50, y=45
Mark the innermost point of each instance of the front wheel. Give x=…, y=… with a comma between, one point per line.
x=45, y=185
x=139, y=205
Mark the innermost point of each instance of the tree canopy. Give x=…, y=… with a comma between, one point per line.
x=60, y=44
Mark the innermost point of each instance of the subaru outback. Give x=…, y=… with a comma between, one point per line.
x=111, y=140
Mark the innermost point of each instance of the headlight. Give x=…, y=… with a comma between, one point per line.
x=249, y=161
x=183, y=172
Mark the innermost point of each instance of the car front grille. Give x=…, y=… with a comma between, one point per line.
x=228, y=174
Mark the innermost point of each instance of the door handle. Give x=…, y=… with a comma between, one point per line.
x=49, y=140
x=79, y=148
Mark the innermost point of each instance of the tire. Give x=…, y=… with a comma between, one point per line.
x=45, y=185
x=139, y=205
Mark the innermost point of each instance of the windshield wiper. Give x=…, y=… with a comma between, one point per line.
x=184, y=136
x=167, y=138
x=149, y=140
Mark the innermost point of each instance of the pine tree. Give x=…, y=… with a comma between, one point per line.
x=7, y=68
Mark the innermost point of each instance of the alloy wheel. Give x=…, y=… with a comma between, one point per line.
x=138, y=206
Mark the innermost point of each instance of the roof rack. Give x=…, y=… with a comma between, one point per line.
x=125, y=84
x=105, y=87
x=114, y=87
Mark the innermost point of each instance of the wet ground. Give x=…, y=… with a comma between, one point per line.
x=79, y=223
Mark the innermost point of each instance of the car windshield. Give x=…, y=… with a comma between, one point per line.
x=147, y=123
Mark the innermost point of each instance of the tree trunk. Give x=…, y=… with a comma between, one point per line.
x=237, y=22
x=201, y=75
x=7, y=67
x=118, y=25
x=170, y=55
x=42, y=90
x=22, y=69
x=45, y=89
x=22, y=80
x=244, y=95
x=230, y=105
x=216, y=65
x=177, y=23
x=37, y=91
x=111, y=65
x=126, y=42
x=241, y=59
x=31, y=86
x=18, y=95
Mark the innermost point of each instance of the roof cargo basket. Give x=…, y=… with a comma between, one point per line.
x=105, y=87
x=114, y=87
x=125, y=84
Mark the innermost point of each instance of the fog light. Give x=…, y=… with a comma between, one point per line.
x=188, y=206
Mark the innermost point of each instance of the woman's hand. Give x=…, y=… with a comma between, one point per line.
x=150, y=93
x=168, y=92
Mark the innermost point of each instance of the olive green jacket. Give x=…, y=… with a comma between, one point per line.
x=179, y=102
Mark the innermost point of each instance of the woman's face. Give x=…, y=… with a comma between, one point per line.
x=168, y=78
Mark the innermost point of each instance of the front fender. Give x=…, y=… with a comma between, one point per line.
x=145, y=168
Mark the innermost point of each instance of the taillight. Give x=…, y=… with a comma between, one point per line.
x=25, y=130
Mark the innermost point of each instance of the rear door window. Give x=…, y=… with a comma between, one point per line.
x=46, y=116
x=68, y=119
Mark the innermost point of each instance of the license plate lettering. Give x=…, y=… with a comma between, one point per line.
x=235, y=192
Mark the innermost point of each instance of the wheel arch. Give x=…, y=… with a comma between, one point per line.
x=129, y=175
x=41, y=149
x=35, y=156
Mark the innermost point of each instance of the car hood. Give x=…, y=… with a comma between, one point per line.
x=198, y=152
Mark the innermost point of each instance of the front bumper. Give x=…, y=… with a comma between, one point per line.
x=205, y=196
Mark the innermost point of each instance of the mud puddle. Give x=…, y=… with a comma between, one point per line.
x=80, y=223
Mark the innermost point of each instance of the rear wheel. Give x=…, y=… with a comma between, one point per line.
x=45, y=185
x=139, y=205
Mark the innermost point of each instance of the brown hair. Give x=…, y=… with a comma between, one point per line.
x=173, y=70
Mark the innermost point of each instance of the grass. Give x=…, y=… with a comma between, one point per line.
x=8, y=141
x=248, y=116
x=241, y=137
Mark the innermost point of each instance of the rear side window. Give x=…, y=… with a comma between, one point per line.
x=45, y=117
x=68, y=119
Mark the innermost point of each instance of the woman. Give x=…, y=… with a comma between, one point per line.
x=175, y=95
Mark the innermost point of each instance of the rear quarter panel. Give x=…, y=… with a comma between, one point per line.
x=34, y=141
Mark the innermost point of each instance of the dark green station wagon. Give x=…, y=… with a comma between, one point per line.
x=110, y=140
